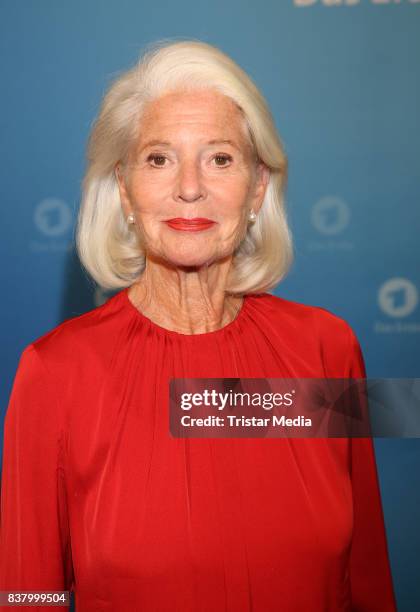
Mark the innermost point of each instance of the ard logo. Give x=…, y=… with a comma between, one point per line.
x=398, y=297
x=330, y=215
x=53, y=217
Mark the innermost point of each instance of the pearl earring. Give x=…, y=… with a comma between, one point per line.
x=252, y=216
x=130, y=218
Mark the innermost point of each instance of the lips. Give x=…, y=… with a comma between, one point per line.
x=195, y=224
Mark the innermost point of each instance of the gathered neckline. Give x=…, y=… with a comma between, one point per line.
x=239, y=315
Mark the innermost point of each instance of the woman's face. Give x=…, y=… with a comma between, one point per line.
x=193, y=160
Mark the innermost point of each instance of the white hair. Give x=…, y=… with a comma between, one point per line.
x=108, y=248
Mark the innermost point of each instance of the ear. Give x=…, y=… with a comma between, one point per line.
x=261, y=183
x=122, y=187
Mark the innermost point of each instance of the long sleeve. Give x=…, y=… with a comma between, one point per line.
x=370, y=574
x=35, y=551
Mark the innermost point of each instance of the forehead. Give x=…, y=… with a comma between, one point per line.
x=206, y=111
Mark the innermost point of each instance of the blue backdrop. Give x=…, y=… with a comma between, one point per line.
x=342, y=79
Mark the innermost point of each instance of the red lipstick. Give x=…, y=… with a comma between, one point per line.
x=190, y=225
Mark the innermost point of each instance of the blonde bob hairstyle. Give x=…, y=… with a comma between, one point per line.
x=108, y=248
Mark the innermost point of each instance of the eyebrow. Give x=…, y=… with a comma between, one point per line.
x=153, y=143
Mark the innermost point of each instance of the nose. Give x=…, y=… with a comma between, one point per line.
x=189, y=184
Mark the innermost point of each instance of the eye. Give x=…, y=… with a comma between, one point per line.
x=223, y=157
x=158, y=159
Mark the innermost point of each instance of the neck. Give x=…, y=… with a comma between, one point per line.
x=188, y=300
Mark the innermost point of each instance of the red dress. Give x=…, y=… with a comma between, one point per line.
x=97, y=496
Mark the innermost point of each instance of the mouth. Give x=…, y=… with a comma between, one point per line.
x=194, y=225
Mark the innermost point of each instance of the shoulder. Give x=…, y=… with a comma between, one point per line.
x=80, y=336
x=314, y=333
x=315, y=319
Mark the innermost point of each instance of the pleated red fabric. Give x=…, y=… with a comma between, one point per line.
x=98, y=497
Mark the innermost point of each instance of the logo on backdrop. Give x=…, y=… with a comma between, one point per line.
x=333, y=3
x=397, y=299
x=52, y=219
x=330, y=216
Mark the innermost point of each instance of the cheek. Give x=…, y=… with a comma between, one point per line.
x=231, y=198
x=146, y=200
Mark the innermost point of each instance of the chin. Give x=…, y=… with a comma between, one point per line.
x=193, y=260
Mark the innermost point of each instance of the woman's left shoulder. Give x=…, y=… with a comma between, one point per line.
x=316, y=319
x=315, y=330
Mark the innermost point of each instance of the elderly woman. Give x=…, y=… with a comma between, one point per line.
x=183, y=212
